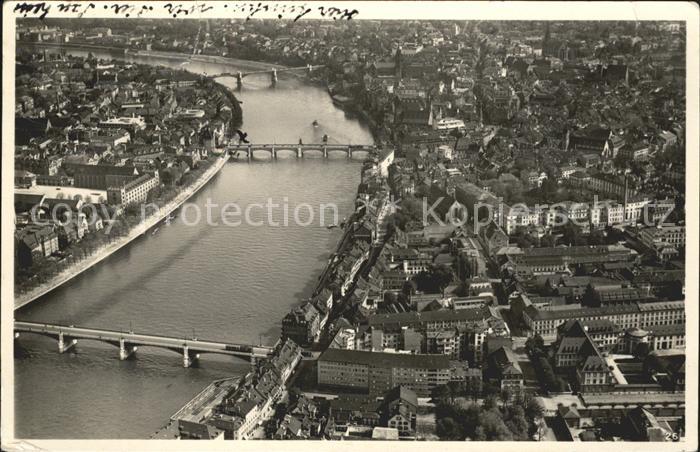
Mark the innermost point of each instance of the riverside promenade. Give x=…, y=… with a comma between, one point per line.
x=104, y=252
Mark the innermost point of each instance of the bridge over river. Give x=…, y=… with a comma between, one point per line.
x=128, y=342
x=272, y=72
x=300, y=150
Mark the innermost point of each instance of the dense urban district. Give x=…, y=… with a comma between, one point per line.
x=514, y=268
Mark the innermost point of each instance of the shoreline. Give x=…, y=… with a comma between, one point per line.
x=351, y=108
x=125, y=53
x=135, y=232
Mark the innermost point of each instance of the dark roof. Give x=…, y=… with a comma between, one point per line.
x=28, y=128
x=387, y=360
x=406, y=318
x=505, y=359
x=402, y=393
x=665, y=330
x=594, y=363
x=80, y=168
x=568, y=412
x=25, y=201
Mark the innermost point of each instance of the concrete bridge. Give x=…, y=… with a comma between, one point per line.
x=128, y=342
x=299, y=150
x=273, y=73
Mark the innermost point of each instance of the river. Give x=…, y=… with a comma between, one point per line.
x=211, y=281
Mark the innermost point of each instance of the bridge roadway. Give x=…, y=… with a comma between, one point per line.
x=299, y=149
x=273, y=73
x=128, y=342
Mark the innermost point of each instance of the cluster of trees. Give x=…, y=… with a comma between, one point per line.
x=447, y=394
x=515, y=418
x=43, y=269
x=524, y=239
x=410, y=210
x=550, y=381
x=434, y=280
x=572, y=235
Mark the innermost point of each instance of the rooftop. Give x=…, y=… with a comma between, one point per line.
x=387, y=360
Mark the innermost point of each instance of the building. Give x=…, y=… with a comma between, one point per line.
x=377, y=373
x=24, y=179
x=399, y=410
x=591, y=139
x=606, y=335
x=101, y=177
x=640, y=315
x=132, y=192
x=657, y=337
x=385, y=161
x=551, y=260
x=252, y=401
x=34, y=242
x=302, y=324
x=126, y=123
x=663, y=237
x=641, y=425
x=504, y=364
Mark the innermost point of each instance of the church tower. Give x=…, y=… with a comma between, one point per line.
x=546, y=39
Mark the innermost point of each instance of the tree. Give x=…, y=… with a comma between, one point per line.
x=517, y=423
x=435, y=279
x=455, y=390
x=505, y=395
x=534, y=345
x=572, y=235
x=493, y=427
x=523, y=238
x=448, y=429
x=596, y=237
x=548, y=240
x=490, y=402
x=440, y=393
x=549, y=379
x=641, y=350
x=409, y=288
x=561, y=385
x=470, y=419
x=532, y=406
x=591, y=297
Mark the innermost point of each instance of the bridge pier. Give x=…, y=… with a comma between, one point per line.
x=250, y=153
x=300, y=154
x=239, y=80
x=125, y=349
x=349, y=153
x=65, y=343
x=273, y=152
x=325, y=151
x=188, y=358
x=273, y=77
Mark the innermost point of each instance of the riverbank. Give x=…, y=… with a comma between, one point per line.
x=351, y=107
x=244, y=64
x=138, y=230
x=178, y=56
